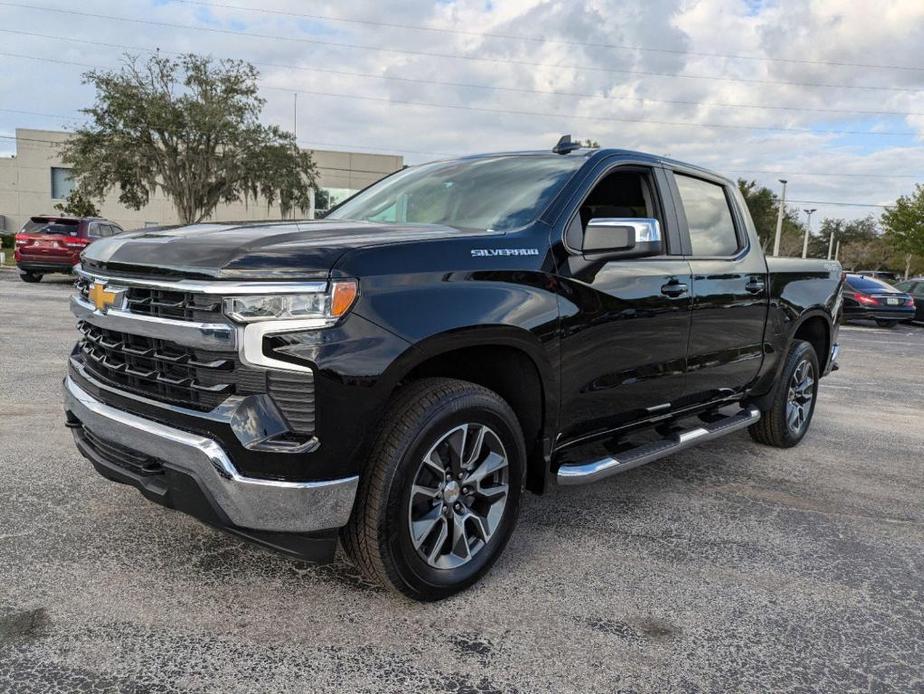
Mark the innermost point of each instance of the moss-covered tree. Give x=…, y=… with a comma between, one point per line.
x=188, y=127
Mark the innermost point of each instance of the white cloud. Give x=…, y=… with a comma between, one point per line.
x=687, y=39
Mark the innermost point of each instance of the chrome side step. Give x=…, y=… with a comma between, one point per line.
x=601, y=468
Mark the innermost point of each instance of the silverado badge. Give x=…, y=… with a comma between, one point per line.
x=104, y=299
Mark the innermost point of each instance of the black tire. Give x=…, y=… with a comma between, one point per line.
x=886, y=323
x=377, y=538
x=775, y=428
x=30, y=277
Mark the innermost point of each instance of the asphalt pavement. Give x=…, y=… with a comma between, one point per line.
x=729, y=567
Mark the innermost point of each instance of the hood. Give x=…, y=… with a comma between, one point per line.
x=262, y=251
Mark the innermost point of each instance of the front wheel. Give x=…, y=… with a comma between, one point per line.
x=30, y=277
x=439, y=497
x=784, y=423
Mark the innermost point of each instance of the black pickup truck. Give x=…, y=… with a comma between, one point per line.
x=394, y=375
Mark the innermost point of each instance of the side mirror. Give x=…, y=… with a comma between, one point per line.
x=620, y=237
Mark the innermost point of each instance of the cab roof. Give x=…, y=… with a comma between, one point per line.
x=596, y=153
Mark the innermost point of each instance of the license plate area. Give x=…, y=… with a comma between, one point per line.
x=892, y=302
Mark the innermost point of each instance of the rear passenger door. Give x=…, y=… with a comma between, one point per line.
x=730, y=288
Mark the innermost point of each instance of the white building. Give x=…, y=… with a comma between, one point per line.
x=34, y=180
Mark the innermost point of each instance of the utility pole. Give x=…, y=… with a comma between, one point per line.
x=295, y=114
x=837, y=250
x=831, y=244
x=779, y=220
x=808, y=230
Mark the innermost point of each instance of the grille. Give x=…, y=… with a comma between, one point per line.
x=131, y=460
x=164, y=303
x=157, y=368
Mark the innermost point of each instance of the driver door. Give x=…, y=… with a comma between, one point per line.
x=625, y=323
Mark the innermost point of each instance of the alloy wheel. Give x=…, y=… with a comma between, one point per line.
x=458, y=496
x=799, y=400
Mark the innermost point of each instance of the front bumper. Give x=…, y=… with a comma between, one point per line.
x=260, y=509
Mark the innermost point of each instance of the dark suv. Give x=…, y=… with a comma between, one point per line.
x=49, y=244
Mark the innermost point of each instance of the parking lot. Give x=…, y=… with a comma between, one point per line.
x=729, y=567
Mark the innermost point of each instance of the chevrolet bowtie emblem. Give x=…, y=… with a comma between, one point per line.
x=104, y=299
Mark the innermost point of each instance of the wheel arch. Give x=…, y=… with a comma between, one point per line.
x=509, y=361
x=815, y=328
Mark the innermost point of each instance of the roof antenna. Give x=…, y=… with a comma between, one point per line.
x=565, y=145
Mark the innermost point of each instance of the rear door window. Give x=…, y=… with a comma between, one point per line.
x=709, y=217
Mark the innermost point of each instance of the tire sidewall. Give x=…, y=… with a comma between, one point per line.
x=801, y=352
x=412, y=570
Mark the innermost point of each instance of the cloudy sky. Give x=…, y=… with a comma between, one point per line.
x=826, y=93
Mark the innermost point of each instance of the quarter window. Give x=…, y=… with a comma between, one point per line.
x=712, y=231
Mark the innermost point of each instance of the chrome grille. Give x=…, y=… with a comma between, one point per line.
x=163, y=302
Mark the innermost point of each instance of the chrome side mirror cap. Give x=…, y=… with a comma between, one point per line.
x=623, y=237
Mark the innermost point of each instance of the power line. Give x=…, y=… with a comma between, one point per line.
x=468, y=85
x=350, y=145
x=606, y=119
x=825, y=173
x=569, y=116
x=838, y=204
x=38, y=142
x=453, y=56
x=543, y=39
x=800, y=202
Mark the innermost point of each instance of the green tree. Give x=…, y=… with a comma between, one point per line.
x=78, y=205
x=190, y=128
x=856, y=231
x=904, y=225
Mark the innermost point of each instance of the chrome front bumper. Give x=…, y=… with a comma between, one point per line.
x=250, y=503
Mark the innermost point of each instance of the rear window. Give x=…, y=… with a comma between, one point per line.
x=868, y=284
x=712, y=231
x=65, y=227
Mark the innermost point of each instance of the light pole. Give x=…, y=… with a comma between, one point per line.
x=837, y=250
x=831, y=244
x=808, y=230
x=779, y=220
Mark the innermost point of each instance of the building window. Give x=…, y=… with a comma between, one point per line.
x=61, y=182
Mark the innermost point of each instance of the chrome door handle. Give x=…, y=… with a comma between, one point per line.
x=755, y=286
x=674, y=289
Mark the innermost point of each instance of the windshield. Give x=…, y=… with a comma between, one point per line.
x=499, y=193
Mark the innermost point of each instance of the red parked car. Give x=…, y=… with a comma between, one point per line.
x=49, y=244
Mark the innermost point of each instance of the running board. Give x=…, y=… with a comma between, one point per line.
x=594, y=470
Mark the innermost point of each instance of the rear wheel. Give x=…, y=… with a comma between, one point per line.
x=785, y=422
x=886, y=323
x=31, y=277
x=439, y=498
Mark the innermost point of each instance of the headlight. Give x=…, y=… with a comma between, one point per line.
x=329, y=305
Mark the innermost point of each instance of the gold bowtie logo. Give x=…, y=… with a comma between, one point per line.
x=102, y=298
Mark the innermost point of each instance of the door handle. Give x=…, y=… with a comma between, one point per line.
x=755, y=286
x=674, y=288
